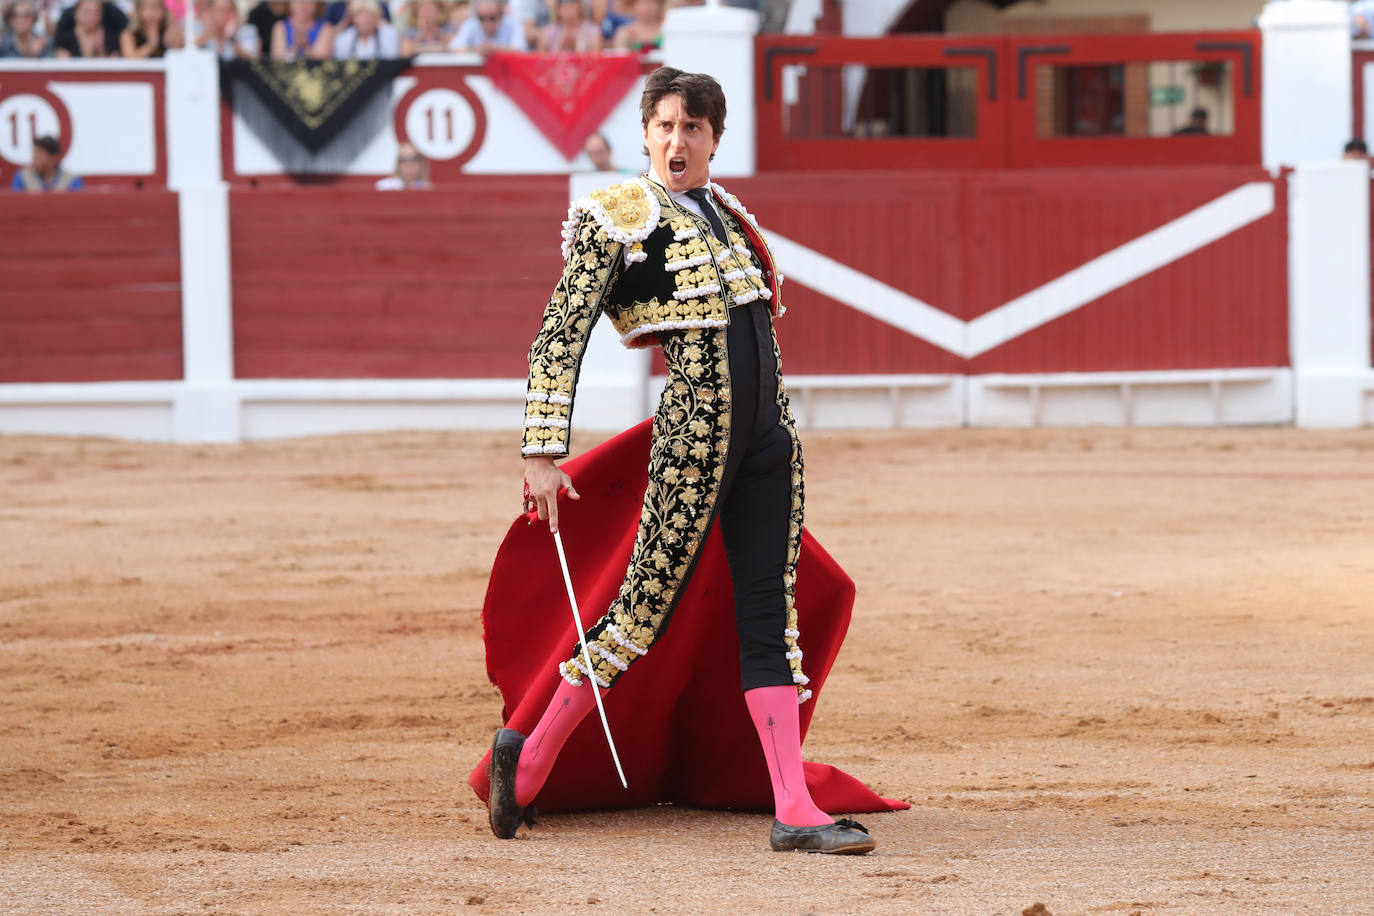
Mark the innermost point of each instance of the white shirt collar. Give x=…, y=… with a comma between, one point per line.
x=680, y=196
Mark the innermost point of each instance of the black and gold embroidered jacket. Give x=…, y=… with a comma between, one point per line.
x=651, y=266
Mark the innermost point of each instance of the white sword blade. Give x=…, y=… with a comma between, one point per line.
x=587, y=655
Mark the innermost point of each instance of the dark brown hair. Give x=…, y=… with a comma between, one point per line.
x=48, y=144
x=701, y=96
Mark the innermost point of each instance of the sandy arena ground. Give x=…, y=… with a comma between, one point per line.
x=1113, y=672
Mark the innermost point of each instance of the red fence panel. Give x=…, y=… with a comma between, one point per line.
x=92, y=288
x=971, y=243
x=348, y=283
x=811, y=120
x=1232, y=57
x=1007, y=102
x=1360, y=61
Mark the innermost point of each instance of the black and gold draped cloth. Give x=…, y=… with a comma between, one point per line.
x=313, y=99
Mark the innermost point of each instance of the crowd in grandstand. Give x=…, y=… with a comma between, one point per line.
x=314, y=30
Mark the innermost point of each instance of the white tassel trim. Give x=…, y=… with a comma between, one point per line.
x=598, y=213
x=539, y=397
x=546, y=423
x=734, y=204
x=799, y=678
x=634, y=257
x=675, y=266
x=554, y=449
x=750, y=296
x=792, y=634
x=563, y=670
x=608, y=655
x=709, y=289
x=582, y=666
x=625, y=643
x=673, y=326
x=782, y=310
x=742, y=249
x=803, y=697
x=735, y=275
x=683, y=235
x=795, y=654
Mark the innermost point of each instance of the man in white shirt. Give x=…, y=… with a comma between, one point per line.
x=490, y=28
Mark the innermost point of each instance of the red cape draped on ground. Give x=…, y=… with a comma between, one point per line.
x=678, y=717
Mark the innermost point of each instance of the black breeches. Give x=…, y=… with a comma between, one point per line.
x=756, y=500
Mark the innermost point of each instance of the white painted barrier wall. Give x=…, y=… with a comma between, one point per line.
x=1328, y=303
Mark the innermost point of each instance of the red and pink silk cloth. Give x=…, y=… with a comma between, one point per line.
x=567, y=96
x=679, y=720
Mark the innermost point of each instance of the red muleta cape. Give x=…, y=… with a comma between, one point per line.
x=678, y=717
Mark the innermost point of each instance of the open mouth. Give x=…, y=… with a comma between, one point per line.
x=677, y=167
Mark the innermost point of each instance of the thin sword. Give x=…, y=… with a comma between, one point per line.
x=587, y=656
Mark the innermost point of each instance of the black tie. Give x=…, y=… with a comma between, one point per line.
x=703, y=199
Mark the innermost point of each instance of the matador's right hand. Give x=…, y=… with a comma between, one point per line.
x=543, y=481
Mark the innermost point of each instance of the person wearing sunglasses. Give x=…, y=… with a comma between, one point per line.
x=412, y=171
x=490, y=28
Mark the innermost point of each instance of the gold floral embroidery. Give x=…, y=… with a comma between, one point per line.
x=556, y=354
x=691, y=440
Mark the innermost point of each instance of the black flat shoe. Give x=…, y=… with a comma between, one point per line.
x=842, y=838
x=503, y=812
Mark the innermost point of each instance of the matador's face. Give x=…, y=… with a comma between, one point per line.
x=680, y=146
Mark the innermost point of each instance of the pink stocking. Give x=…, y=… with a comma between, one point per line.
x=774, y=711
x=567, y=708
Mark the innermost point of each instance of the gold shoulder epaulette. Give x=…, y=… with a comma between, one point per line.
x=628, y=212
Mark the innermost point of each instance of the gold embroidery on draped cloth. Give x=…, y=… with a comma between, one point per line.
x=314, y=90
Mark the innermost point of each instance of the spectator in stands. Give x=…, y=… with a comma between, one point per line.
x=304, y=34
x=427, y=27
x=412, y=171
x=1197, y=123
x=645, y=31
x=225, y=36
x=1362, y=19
x=573, y=31
x=598, y=150
x=21, y=32
x=458, y=13
x=612, y=15
x=264, y=17
x=490, y=29
x=1356, y=150
x=368, y=38
x=151, y=31
x=46, y=173
x=92, y=31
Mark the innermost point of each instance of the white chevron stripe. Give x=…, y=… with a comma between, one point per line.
x=1067, y=293
x=872, y=297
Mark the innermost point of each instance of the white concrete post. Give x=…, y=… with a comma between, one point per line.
x=613, y=386
x=1306, y=105
x=719, y=40
x=1329, y=322
x=206, y=408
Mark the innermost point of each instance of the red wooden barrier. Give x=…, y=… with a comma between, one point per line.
x=1358, y=62
x=966, y=243
x=1009, y=107
x=92, y=287
x=450, y=284
x=344, y=283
